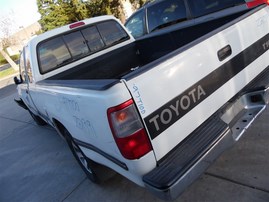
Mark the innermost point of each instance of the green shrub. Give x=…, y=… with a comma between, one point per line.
x=15, y=57
x=7, y=72
x=2, y=60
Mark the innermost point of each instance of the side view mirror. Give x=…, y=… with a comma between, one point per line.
x=17, y=81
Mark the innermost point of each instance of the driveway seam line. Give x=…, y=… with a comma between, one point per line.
x=236, y=182
x=75, y=189
x=33, y=124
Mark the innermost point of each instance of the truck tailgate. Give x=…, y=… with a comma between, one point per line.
x=180, y=91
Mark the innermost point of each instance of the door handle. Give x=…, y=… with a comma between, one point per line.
x=224, y=52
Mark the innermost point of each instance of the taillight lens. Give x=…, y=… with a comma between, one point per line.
x=253, y=3
x=128, y=131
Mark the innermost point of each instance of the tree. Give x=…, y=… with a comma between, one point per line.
x=138, y=3
x=99, y=7
x=121, y=9
x=127, y=7
x=6, y=30
x=56, y=13
x=6, y=39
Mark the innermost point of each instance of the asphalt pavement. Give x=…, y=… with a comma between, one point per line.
x=4, y=67
x=36, y=165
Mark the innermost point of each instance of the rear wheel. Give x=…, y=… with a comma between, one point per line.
x=94, y=171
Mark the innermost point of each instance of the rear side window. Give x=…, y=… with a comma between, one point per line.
x=111, y=32
x=63, y=49
x=52, y=53
x=166, y=13
x=203, y=7
x=93, y=39
x=76, y=44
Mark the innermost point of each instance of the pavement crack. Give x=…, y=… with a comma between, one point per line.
x=14, y=120
x=76, y=187
x=236, y=182
x=31, y=123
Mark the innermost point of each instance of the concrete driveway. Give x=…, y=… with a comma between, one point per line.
x=36, y=165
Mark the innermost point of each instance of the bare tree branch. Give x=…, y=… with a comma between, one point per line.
x=6, y=31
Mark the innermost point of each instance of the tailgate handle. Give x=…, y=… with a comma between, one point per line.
x=224, y=52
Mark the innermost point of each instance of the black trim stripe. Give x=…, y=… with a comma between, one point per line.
x=207, y=86
x=100, y=84
x=107, y=156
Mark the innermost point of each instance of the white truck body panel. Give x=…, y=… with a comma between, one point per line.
x=82, y=117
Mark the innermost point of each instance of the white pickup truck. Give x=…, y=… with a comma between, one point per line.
x=156, y=113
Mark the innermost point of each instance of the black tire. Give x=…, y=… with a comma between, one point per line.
x=37, y=119
x=91, y=169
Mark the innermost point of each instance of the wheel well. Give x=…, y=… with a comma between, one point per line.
x=60, y=128
x=102, y=171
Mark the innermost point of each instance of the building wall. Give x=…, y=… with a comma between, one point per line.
x=21, y=37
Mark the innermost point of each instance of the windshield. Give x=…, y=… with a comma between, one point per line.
x=135, y=24
x=166, y=12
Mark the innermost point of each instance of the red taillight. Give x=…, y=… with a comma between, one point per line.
x=253, y=3
x=128, y=131
x=76, y=24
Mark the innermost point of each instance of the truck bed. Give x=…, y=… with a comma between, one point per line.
x=139, y=53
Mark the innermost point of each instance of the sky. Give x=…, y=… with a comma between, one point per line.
x=22, y=12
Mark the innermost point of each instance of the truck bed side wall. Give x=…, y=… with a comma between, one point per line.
x=154, y=46
x=110, y=65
